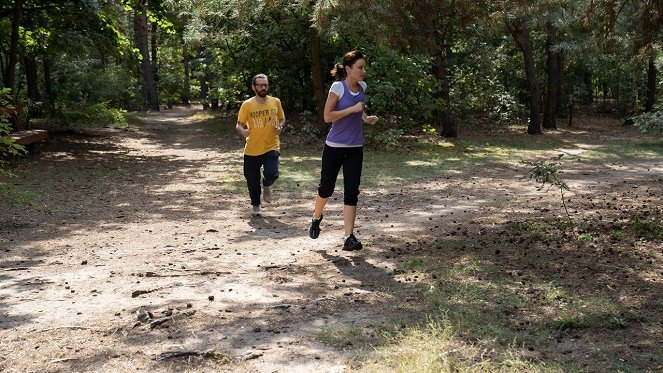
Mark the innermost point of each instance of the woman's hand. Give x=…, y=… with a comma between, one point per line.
x=371, y=119
x=358, y=107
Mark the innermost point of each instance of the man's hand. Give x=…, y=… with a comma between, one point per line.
x=246, y=132
x=242, y=131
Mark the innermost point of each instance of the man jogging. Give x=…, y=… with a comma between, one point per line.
x=260, y=121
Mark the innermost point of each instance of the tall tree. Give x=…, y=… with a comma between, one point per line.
x=520, y=31
x=553, y=82
x=9, y=76
x=147, y=70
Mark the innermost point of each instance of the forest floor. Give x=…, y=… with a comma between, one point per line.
x=138, y=253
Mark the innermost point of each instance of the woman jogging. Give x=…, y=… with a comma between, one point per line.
x=344, y=146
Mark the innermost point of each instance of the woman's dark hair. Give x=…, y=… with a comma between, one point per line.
x=349, y=59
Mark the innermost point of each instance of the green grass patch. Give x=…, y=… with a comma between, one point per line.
x=626, y=150
x=350, y=336
x=11, y=195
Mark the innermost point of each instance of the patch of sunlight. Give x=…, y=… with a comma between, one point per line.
x=420, y=163
x=435, y=347
x=201, y=115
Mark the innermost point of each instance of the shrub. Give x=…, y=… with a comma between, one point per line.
x=651, y=122
x=97, y=115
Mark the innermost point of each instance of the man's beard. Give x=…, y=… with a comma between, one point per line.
x=262, y=93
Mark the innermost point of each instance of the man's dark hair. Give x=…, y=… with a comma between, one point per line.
x=258, y=76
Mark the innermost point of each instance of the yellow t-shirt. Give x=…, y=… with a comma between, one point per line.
x=261, y=119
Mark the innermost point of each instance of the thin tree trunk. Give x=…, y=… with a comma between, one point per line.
x=561, y=91
x=550, y=109
x=651, y=84
x=147, y=70
x=48, y=82
x=31, y=76
x=438, y=44
x=12, y=58
x=589, y=86
x=186, y=89
x=443, y=115
x=154, y=39
x=316, y=77
x=203, y=83
x=521, y=35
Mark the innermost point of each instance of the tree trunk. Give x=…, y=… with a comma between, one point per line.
x=31, y=76
x=439, y=46
x=316, y=77
x=48, y=83
x=443, y=115
x=589, y=87
x=561, y=92
x=550, y=109
x=521, y=35
x=186, y=90
x=155, y=56
x=12, y=58
x=651, y=84
x=147, y=70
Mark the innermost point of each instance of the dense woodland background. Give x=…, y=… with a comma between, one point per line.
x=434, y=66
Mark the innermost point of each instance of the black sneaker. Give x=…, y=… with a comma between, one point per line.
x=314, y=228
x=352, y=243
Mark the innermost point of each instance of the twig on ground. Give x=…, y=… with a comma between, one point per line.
x=204, y=354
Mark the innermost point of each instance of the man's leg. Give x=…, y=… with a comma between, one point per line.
x=252, y=175
x=270, y=173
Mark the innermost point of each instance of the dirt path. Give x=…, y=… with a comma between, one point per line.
x=131, y=222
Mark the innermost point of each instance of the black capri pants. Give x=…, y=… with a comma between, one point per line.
x=351, y=159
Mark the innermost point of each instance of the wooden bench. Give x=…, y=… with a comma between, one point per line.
x=31, y=139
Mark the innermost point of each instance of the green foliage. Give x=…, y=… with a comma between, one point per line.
x=7, y=145
x=383, y=137
x=97, y=115
x=11, y=195
x=651, y=122
x=652, y=226
x=617, y=322
x=586, y=237
x=80, y=83
x=399, y=86
x=547, y=173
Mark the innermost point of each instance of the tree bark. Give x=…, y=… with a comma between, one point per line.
x=9, y=77
x=651, y=84
x=31, y=76
x=440, y=50
x=443, y=115
x=521, y=35
x=147, y=70
x=186, y=89
x=552, y=70
x=316, y=77
x=561, y=91
x=154, y=42
x=48, y=82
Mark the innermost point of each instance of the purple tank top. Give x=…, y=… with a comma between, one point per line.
x=348, y=130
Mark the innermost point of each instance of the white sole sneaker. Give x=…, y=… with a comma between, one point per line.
x=255, y=210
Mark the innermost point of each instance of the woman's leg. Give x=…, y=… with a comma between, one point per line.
x=351, y=179
x=349, y=215
x=332, y=160
x=320, y=204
